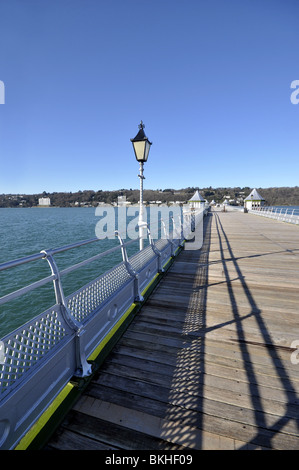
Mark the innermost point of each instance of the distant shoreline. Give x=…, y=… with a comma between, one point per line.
x=274, y=196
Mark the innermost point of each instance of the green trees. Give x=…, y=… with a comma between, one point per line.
x=90, y=198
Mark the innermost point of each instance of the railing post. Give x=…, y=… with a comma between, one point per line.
x=180, y=231
x=177, y=231
x=59, y=294
x=156, y=251
x=137, y=295
x=83, y=367
x=168, y=238
x=186, y=224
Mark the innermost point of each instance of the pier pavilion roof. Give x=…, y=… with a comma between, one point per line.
x=197, y=197
x=254, y=196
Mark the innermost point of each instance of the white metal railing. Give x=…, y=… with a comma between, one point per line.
x=289, y=215
x=39, y=358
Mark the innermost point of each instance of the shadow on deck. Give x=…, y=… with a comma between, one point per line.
x=177, y=381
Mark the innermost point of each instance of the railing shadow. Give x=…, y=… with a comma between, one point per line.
x=184, y=415
x=282, y=374
x=162, y=366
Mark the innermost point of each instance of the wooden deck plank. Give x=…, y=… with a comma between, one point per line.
x=190, y=380
x=206, y=364
x=113, y=436
x=183, y=431
x=229, y=394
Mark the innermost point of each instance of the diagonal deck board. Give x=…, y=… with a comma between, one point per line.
x=206, y=364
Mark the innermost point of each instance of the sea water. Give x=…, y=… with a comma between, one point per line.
x=285, y=209
x=26, y=231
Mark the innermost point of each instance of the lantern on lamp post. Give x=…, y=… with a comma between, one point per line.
x=141, y=146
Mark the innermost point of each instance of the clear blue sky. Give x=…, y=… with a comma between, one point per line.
x=209, y=78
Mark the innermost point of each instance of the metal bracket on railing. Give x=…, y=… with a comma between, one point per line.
x=156, y=251
x=182, y=238
x=59, y=295
x=177, y=231
x=83, y=367
x=137, y=295
x=168, y=238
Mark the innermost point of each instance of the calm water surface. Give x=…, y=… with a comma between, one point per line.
x=286, y=209
x=27, y=231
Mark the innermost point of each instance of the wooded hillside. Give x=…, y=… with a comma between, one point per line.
x=273, y=196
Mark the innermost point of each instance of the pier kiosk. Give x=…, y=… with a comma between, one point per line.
x=197, y=201
x=254, y=200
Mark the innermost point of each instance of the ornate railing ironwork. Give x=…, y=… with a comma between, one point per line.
x=39, y=358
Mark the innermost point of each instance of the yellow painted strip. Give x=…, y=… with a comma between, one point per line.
x=107, y=338
x=149, y=285
x=167, y=262
x=99, y=348
x=40, y=423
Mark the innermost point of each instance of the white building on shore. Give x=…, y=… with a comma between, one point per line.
x=44, y=201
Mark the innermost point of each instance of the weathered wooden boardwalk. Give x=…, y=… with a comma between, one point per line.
x=207, y=363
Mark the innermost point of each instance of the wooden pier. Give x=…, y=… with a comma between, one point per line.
x=207, y=363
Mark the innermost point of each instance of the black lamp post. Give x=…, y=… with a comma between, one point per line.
x=141, y=146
